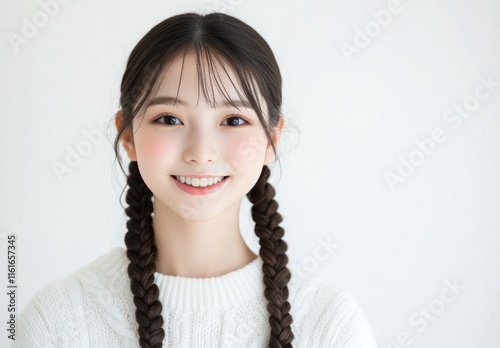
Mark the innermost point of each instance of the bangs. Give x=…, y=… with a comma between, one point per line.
x=209, y=67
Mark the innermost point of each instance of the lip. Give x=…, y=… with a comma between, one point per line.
x=200, y=190
x=200, y=175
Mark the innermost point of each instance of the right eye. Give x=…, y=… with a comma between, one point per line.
x=169, y=120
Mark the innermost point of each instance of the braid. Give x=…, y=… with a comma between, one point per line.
x=272, y=252
x=141, y=251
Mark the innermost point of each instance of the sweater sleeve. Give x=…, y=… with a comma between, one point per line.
x=49, y=318
x=346, y=326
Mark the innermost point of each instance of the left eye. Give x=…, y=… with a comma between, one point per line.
x=168, y=118
x=234, y=120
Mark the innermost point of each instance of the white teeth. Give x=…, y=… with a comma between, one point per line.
x=199, y=182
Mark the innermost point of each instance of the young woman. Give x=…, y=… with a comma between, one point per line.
x=200, y=120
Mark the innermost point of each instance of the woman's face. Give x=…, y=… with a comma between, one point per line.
x=193, y=139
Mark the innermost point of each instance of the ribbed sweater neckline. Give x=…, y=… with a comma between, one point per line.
x=234, y=288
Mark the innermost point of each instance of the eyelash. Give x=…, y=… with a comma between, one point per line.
x=156, y=120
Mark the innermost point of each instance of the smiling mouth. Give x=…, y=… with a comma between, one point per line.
x=199, y=182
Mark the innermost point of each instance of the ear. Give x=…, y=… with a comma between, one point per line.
x=126, y=139
x=276, y=134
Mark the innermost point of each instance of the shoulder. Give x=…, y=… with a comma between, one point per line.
x=327, y=315
x=106, y=273
x=59, y=313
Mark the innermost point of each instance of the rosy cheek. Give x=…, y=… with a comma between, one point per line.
x=154, y=147
x=244, y=152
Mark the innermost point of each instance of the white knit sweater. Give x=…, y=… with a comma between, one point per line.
x=94, y=308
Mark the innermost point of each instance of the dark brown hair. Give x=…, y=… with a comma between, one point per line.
x=233, y=44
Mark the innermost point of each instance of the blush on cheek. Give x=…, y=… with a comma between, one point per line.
x=156, y=148
x=246, y=151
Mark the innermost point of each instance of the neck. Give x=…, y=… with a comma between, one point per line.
x=199, y=248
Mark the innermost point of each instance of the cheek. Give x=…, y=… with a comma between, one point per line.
x=154, y=147
x=246, y=151
x=153, y=150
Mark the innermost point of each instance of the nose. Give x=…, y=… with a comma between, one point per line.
x=200, y=148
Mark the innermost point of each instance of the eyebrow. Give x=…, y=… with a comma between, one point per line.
x=166, y=100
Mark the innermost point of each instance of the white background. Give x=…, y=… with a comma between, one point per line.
x=351, y=120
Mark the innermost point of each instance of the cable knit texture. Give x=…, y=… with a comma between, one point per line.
x=94, y=308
